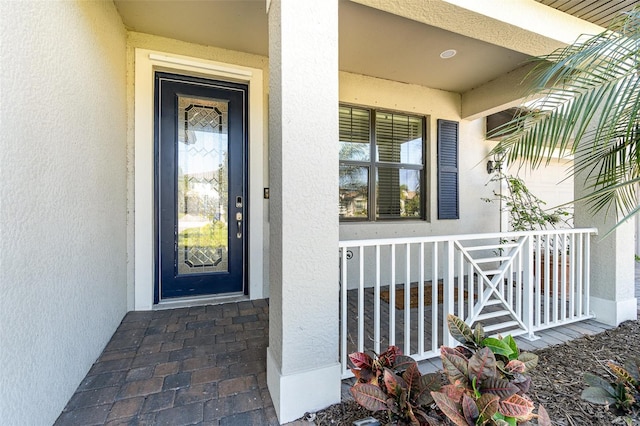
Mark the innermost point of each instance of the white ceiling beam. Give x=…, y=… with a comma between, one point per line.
x=497, y=95
x=524, y=26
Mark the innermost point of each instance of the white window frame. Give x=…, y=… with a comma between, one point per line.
x=374, y=165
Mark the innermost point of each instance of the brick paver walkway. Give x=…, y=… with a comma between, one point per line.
x=201, y=365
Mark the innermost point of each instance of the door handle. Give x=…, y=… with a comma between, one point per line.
x=239, y=222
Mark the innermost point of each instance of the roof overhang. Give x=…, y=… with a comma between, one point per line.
x=399, y=41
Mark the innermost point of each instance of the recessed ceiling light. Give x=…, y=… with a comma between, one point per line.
x=449, y=53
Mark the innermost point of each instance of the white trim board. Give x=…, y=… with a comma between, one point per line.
x=614, y=312
x=292, y=394
x=146, y=63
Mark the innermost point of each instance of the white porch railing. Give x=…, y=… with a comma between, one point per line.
x=514, y=283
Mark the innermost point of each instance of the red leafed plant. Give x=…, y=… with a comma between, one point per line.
x=485, y=387
x=391, y=381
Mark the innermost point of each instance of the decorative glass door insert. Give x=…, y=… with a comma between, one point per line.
x=203, y=219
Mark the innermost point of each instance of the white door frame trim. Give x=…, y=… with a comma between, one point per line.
x=146, y=63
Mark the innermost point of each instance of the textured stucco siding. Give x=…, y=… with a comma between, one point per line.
x=303, y=105
x=304, y=129
x=63, y=199
x=553, y=183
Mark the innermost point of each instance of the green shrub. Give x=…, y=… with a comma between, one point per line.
x=623, y=393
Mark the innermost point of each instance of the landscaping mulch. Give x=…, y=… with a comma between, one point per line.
x=556, y=382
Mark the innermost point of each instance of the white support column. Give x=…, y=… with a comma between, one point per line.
x=612, y=275
x=303, y=372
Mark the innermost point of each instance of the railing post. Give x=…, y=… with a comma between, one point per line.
x=448, y=285
x=528, y=283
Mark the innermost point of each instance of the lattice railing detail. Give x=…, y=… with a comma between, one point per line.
x=399, y=291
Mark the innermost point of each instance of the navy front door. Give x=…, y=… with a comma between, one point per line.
x=200, y=186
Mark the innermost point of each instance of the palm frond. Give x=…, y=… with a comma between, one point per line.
x=585, y=102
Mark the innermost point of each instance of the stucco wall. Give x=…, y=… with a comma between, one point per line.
x=553, y=183
x=63, y=199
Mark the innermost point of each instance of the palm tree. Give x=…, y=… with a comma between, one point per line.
x=584, y=101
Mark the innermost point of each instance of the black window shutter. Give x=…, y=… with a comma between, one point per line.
x=448, y=201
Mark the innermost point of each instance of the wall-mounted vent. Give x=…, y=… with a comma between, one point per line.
x=497, y=120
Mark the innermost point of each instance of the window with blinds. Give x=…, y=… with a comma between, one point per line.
x=382, y=157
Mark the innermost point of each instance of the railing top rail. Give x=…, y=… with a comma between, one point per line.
x=463, y=237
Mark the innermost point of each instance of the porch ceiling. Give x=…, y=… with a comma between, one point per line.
x=373, y=41
x=384, y=45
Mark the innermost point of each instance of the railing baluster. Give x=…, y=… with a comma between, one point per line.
x=480, y=287
x=563, y=272
x=470, y=289
x=448, y=286
x=421, y=350
x=528, y=307
x=361, y=301
x=407, y=301
x=579, y=278
x=519, y=280
x=500, y=284
x=537, y=284
x=392, y=298
x=460, y=286
x=547, y=281
x=587, y=276
x=343, y=316
x=572, y=277
x=435, y=306
x=556, y=271
x=376, y=303
x=509, y=284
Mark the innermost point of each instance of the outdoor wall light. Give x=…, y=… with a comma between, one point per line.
x=493, y=166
